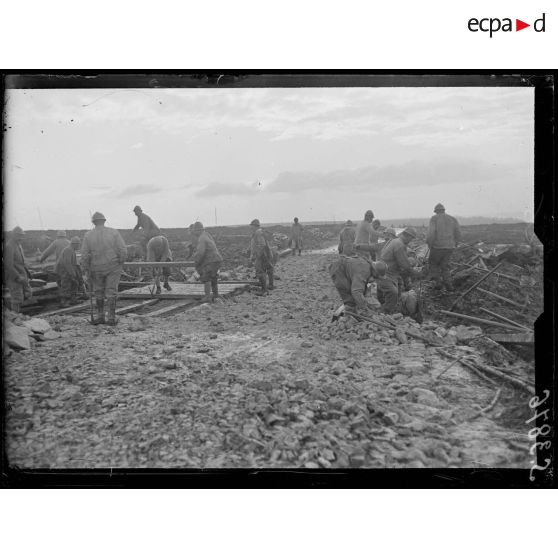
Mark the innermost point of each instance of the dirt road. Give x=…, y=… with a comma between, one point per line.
x=254, y=382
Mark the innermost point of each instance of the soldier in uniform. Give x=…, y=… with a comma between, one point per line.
x=296, y=237
x=148, y=226
x=103, y=254
x=366, y=237
x=16, y=274
x=394, y=255
x=55, y=247
x=442, y=238
x=69, y=272
x=347, y=239
x=261, y=255
x=207, y=260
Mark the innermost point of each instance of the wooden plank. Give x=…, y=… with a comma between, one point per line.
x=163, y=296
x=515, y=338
x=134, y=307
x=475, y=285
x=481, y=321
x=504, y=319
x=159, y=264
x=502, y=298
x=168, y=309
x=68, y=310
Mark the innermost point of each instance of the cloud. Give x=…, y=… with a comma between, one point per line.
x=227, y=189
x=138, y=145
x=409, y=174
x=137, y=190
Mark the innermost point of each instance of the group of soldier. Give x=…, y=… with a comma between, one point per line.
x=363, y=258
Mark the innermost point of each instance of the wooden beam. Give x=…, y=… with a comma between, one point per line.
x=134, y=307
x=68, y=310
x=168, y=309
x=159, y=264
x=481, y=321
x=502, y=298
x=163, y=296
x=475, y=285
x=504, y=319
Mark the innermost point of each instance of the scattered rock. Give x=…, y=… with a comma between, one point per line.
x=37, y=325
x=426, y=397
x=17, y=337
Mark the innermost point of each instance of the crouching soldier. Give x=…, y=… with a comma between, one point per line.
x=103, y=254
x=398, y=268
x=158, y=250
x=69, y=272
x=16, y=274
x=207, y=260
x=351, y=275
x=263, y=258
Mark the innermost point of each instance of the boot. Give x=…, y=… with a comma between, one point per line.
x=166, y=285
x=207, y=291
x=158, y=291
x=112, y=319
x=215, y=290
x=263, y=284
x=100, y=319
x=270, y=277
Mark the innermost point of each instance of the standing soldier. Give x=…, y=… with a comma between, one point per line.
x=347, y=239
x=296, y=237
x=366, y=237
x=442, y=238
x=16, y=274
x=394, y=255
x=55, y=247
x=261, y=255
x=102, y=255
x=148, y=226
x=158, y=250
x=69, y=272
x=207, y=260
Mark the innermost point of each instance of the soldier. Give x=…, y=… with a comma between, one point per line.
x=442, y=238
x=55, y=247
x=148, y=226
x=366, y=237
x=207, y=259
x=16, y=274
x=347, y=239
x=296, y=237
x=102, y=255
x=158, y=250
x=394, y=255
x=69, y=272
x=350, y=275
x=261, y=255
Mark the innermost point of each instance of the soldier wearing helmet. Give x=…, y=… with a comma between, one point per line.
x=351, y=275
x=148, y=226
x=442, y=237
x=69, y=273
x=366, y=236
x=296, y=237
x=398, y=268
x=347, y=239
x=56, y=246
x=158, y=250
x=207, y=260
x=16, y=274
x=263, y=257
x=103, y=254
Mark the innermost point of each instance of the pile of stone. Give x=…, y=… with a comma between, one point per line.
x=21, y=332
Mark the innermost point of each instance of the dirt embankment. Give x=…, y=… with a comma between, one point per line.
x=257, y=382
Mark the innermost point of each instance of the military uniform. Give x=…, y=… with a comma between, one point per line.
x=207, y=260
x=158, y=250
x=15, y=273
x=296, y=237
x=149, y=228
x=442, y=237
x=350, y=275
x=347, y=241
x=56, y=247
x=366, y=239
x=69, y=272
x=261, y=254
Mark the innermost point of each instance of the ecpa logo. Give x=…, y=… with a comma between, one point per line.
x=494, y=24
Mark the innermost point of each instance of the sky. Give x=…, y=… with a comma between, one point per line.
x=227, y=156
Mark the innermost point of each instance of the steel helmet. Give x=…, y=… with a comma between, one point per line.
x=296, y=219
x=255, y=223
x=439, y=207
x=137, y=208
x=410, y=231
x=97, y=216
x=18, y=231
x=349, y=223
x=75, y=240
x=376, y=223
x=390, y=231
x=61, y=234
x=197, y=226
x=380, y=268
x=369, y=213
